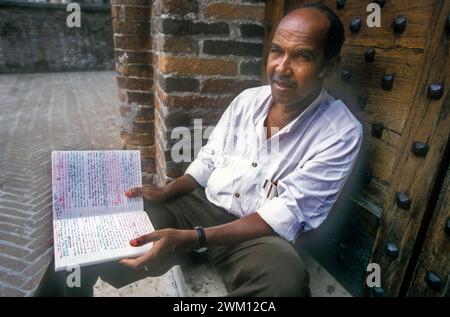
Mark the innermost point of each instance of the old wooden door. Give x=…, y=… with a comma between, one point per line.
x=395, y=79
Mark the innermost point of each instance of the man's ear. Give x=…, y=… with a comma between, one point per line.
x=330, y=66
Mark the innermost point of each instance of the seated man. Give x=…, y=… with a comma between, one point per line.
x=273, y=167
x=248, y=232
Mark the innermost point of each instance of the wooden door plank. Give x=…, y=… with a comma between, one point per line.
x=435, y=254
x=418, y=14
x=428, y=122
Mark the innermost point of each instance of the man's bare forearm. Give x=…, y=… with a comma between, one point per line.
x=243, y=229
x=181, y=185
x=246, y=228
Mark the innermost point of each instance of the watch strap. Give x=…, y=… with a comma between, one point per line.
x=202, y=243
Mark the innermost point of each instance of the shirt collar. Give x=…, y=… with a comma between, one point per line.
x=261, y=114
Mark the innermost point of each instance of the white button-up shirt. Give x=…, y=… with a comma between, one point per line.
x=309, y=160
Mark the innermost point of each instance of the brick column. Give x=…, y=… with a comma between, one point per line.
x=205, y=53
x=133, y=64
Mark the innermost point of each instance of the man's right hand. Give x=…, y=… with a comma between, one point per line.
x=181, y=185
x=149, y=192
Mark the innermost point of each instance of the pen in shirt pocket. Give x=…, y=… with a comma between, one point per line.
x=270, y=189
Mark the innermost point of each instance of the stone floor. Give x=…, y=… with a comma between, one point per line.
x=40, y=113
x=72, y=111
x=200, y=279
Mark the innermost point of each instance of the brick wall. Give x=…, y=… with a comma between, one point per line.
x=133, y=64
x=177, y=61
x=205, y=53
x=34, y=37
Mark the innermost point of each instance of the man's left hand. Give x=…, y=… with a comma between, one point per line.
x=167, y=244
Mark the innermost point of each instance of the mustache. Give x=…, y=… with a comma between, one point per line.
x=288, y=81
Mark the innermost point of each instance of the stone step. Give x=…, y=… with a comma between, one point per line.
x=197, y=278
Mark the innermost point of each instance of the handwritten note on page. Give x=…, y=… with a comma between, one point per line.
x=93, y=221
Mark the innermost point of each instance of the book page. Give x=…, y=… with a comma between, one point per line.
x=93, y=221
x=93, y=182
x=92, y=240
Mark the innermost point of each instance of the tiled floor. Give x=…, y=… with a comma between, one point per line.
x=40, y=113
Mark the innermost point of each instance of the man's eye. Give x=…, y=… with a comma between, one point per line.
x=275, y=50
x=304, y=57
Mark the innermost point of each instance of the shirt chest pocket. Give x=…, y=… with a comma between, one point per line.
x=227, y=174
x=220, y=161
x=231, y=162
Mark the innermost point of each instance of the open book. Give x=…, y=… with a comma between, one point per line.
x=93, y=221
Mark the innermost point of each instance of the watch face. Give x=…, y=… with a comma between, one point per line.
x=201, y=250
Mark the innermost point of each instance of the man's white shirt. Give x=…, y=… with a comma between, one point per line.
x=309, y=160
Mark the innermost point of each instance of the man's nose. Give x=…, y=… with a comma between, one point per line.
x=284, y=66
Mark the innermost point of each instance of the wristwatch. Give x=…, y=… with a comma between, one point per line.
x=202, y=243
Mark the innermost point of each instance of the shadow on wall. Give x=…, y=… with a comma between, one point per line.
x=343, y=243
